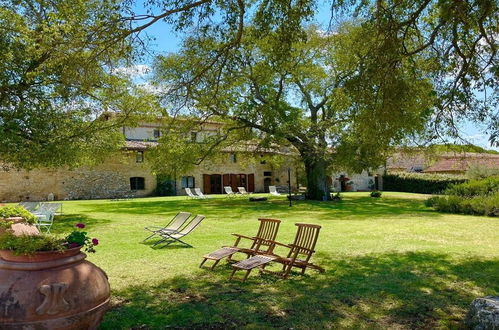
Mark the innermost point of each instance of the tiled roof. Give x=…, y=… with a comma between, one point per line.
x=461, y=163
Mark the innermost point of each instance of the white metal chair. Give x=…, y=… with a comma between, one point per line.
x=242, y=191
x=174, y=225
x=273, y=191
x=229, y=192
x=200, y=193
x=189, y=193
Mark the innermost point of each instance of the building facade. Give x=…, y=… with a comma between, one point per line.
x=128, y=173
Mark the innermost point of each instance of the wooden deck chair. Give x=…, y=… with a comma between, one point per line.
x=168, y=238
x=260, y=243
x=200, y=193
x=299, y=255
x=273, y=191
x=229, y=192
x=242, y=191
x=174, y=225
x=189, y=193
x=30, y=206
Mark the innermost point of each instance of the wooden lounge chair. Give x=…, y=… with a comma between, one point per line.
x=168, y=238
x=174, y=225
x=273, y=191
x=260, y=243
x=229, y=192
x=299, y=255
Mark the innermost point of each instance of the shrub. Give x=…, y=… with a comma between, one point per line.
x=474, y=187
x=17, y=211
x=477, y=171
x=479, y=205
x=376, y=193
x=420, y=182
x=26, y=245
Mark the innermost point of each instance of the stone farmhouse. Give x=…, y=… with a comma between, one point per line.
x=128, y=173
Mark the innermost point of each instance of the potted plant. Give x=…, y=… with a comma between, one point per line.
x=47, y=283
x=17, y=216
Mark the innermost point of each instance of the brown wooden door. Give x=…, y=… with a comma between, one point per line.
x=226, y=180
x=216, y=183
x=251, y=182
x=233, y=182
x=207, y=183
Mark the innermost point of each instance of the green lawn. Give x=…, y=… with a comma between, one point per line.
x=390, y=263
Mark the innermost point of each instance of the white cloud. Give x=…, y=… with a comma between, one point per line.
x=134, y=71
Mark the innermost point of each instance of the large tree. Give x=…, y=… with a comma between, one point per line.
x=316, y=98
x=58, y=76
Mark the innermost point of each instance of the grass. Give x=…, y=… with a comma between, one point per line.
x=390, y=263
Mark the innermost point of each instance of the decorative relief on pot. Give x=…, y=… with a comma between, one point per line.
x=54, y=301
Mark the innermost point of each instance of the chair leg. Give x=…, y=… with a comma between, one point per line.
x=148, y=237
x=215, y=264
x=232, y=274
x=246, y=275
x=202, y=262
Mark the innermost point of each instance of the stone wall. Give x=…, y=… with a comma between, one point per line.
x=111, y=179
x=107, y=180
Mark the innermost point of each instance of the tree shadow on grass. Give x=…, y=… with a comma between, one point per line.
x=66, y=222
x=359, y=208
x=409, y=290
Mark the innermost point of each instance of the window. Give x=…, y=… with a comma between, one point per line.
x=157, y=133
x=188, y=182
x=267, y=173
x=139, y=157
x=194, y=136
x=233, y=158
x=137, y=183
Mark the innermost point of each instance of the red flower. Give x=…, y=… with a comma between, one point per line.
x=80, y=225
x=95, y=241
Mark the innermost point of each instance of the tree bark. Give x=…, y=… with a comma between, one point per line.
x=317, y=185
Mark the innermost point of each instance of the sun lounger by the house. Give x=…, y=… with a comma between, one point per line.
x=200, y=194
x=273, y=191
x=267, y=232
x=30, y=206
x=229, y=192
x=174, y=225
x=299, y=255
x=170, y=237
x=189, y=193
x=242, y=191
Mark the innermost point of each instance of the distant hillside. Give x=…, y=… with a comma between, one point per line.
x=439, y=148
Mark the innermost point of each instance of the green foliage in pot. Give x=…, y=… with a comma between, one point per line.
x=28, y=245
x=15, y=211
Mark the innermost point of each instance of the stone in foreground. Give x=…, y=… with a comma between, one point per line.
x=484, y=314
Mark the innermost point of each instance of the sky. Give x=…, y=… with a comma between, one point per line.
x=165, y=40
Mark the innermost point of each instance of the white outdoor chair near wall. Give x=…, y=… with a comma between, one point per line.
x=229, y=192
x=273, y=191
x=200, y=193
x=242, y=191
x=30, y=206
x=189, y=193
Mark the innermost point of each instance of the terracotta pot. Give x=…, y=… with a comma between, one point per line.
x=52, y=291
x=42, y=256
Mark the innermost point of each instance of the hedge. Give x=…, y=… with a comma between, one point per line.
x=420, y=182
x=473, y=188
x=478, y=205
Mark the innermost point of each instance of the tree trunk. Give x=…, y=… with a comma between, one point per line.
x=317, y=185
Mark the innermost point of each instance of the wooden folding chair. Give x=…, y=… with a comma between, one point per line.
x=261, y=243
x=299, y=255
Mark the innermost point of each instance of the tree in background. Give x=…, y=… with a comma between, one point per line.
x=311, y=96
x=58, y=76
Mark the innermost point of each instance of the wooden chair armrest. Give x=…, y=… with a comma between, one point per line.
x=243, y=236
x=302, y=248
x=275, y=242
